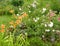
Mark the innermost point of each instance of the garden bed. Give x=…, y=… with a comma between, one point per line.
x=29, y=23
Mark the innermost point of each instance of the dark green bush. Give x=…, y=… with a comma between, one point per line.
x=55, y=5
x=17, y=3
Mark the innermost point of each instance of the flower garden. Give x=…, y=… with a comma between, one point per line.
x=29, y=23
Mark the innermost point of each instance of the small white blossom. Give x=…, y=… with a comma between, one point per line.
x=33, y=5
x=43, y=36
x=35, y=20
x=47, y=30
x=51, y=24
x=29, y=11
x=25, y=33
x=17, y=14
x=53, y=30
x=45, y=25
x=20, y=9
x=44, y=9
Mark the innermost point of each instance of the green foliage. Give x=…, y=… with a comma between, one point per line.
x=55, y=5
x=36, y=41
x=17, y=3
x=10, y=40
x=40, y=28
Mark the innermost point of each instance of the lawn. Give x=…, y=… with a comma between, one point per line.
x=5, y=19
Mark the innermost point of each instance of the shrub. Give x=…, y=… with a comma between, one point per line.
x=17, y=3
x=55, y=5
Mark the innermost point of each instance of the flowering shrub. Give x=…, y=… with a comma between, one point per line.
x=34, y=24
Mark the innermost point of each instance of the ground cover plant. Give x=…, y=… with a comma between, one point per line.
x=29, y=23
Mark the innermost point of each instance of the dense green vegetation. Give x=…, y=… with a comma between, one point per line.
x=29, y=22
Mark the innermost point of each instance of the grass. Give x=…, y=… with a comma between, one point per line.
x=5, y=19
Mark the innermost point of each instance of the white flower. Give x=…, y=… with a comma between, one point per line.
x=47, y=30
x=17, y=14
x=51, y=24
x=43, y=36
x=35, y=20
x=29, y=11
x=44, y=9
x=45, y=25
x=20, y=9
x=53, y=30
x=26, y=34
x=33, y=5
